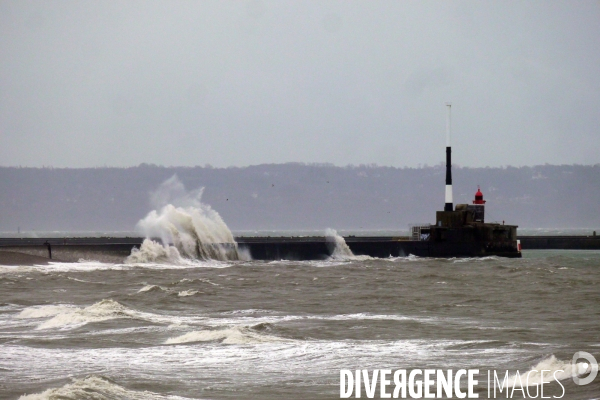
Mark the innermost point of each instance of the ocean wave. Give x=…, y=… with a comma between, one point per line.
x=45, y=311
x=63, y=267
x=97, y=388
x=74, y=316
x=153, y=288
x=554, y=369
x=171, y=291
x=408, y=258
x=100, y=266
x=87, y=260
x=245, y=360
x=185, y=293
x=234, y=335
x=243, y=320
x=10, y=269
x=194, y=228
x=154, y=252
x=187, y=280
x=248, y=311
x=83, y=281
x=339, y=249
x=455, y=260
x=69, y=316
x=65, y=316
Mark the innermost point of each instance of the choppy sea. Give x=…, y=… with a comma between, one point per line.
x=284, y=329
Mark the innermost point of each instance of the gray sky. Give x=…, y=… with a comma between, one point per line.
x=119, y=83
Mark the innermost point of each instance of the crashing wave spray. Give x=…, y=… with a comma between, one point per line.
x=194, y=229
x=337, y=245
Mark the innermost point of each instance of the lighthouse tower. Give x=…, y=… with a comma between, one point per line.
x=478, y=206
x=448, y=205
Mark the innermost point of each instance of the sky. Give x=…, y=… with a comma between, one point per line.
x=246, y=82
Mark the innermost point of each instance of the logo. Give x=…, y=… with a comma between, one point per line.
x=581, y=368
x=435, y=384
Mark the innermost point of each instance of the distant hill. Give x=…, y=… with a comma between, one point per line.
x=299, y=196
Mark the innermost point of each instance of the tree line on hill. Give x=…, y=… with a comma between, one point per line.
x=297, y=196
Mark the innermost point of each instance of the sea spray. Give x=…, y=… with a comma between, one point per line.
x=338, y=248
x=153, y=252
x=337, y=245
x=187, y=228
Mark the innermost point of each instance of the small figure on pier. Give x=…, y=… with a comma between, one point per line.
x=49, y=249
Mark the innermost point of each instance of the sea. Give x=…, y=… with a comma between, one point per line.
x=247, y=329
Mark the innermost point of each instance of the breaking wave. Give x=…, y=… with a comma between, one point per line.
x=45, y=311
x=153, y=252
x=185, y=293
x=69, y=316
x=235, y=335
x=187, y=227
x=66, y=315
x=339, y=248
x=155, y=289
x=554, y=369
x=97, y=388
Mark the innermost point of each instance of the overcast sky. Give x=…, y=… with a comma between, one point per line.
x=119, y=83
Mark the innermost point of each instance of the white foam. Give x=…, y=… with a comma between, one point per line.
x=81, y=280
x=99, y=266
x=235, y=335
x=243, y=320
x=248, y=311
x=184, y=280
x=45, y=311
x=147, y=288
x=153, y=252
x=152, y=288
x=455, y=260
x=95, y=387
x=101, y=311
x=408, y=258
x=12, y=269
x=214, y=357
x=194, y=228
x=554, y=369
x=86, y=260
x=244, y=363
x=339, y=248
x=69, y=316
x=63, y=267
x=185, y=293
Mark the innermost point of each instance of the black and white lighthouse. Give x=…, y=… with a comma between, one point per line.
x=448, y=205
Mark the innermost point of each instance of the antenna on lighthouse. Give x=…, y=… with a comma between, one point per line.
x=448, y=205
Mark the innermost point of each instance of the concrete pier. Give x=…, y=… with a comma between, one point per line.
x=112, y=249
x=561, y=242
